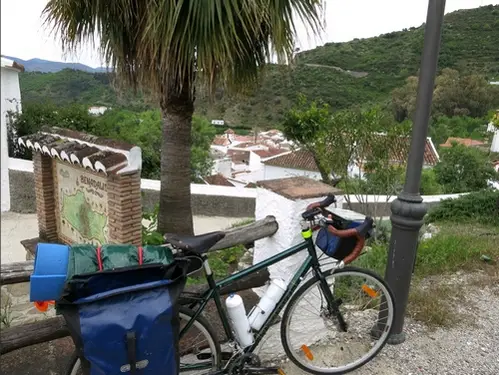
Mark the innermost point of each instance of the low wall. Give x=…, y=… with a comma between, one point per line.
x=379, y=205
x=207, y=200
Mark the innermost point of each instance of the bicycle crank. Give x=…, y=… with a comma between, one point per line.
x=250, y=364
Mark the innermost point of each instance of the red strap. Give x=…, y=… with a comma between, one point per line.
x=99, y=258
x=141, y=255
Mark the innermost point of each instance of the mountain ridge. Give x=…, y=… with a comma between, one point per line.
x=359, y=72
x=47, y=66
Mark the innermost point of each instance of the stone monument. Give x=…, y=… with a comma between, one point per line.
x=87, y=188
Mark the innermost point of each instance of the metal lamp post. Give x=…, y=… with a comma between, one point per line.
x=408, y=209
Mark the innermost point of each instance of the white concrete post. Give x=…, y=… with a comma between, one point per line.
x=286, y=199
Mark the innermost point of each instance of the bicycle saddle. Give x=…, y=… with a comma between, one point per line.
x=199, y=244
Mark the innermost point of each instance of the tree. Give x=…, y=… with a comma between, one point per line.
x=202, y=137
x=368, y=150
x=165, y=46
x=36, y=115
x=404, y=99
x=444, y=127
x=454, y=95
x=463, y=169
x=303, y=124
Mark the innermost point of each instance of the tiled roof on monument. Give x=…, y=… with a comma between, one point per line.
x=95, y=153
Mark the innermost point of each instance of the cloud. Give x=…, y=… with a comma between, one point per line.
x=24, y=36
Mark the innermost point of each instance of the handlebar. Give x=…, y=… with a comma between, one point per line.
x=316, y=208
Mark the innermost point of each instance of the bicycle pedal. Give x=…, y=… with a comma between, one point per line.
x=205, y=356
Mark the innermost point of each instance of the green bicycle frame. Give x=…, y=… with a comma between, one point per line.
x=214, y=288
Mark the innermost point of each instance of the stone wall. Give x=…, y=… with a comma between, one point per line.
x=22, y=191
x=16, y=309
x=204, y=203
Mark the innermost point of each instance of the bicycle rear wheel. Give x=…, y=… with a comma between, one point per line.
x=199, y=348
x=310, y=332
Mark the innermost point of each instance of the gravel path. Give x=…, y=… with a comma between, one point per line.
x=470, y=348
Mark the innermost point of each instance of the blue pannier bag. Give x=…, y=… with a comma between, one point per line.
x=125, y=321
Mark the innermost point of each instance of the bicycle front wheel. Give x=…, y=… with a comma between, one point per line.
x=311, y=332
x=199, y=348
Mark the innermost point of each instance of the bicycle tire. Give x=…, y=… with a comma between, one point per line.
x=182, y=310
x=304, y=288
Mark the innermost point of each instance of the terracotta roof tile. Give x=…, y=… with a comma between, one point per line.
x=269, y=153
x=95, y=153
x=217, y=179
x=468, y=142
x=299, y=159
x=220, y=140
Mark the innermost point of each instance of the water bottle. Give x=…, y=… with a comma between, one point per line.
x=260, y=313
x=239, y=321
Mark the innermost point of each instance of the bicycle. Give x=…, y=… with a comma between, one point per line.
x=335, y=309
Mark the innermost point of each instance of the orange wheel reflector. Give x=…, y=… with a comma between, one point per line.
x=43, y=306
x=307, y=352
x=369, y=291
x=280, y=372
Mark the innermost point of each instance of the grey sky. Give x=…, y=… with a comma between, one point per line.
x=24, y=36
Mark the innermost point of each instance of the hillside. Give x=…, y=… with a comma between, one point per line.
x=46, y=66
x=342, y=74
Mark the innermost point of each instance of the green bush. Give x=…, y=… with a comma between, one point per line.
x=464, y=169
x=429, y=183
x=481, y=207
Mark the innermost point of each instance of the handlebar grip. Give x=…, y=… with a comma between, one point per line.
x=329, y=200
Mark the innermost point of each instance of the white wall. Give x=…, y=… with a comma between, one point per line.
x=255, y=162
x=10, y=101
x=97, y=110
x=494, y=147
x=271, y=172
x=222, y=166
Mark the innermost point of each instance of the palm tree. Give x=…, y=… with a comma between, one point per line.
x=165, y=45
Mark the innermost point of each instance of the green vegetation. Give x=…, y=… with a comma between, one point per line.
x=444, y=127
x=456, y=248
x=479, y=207
x=388, y=61
x=464, y=169
x=455, y=94
x=466, y=241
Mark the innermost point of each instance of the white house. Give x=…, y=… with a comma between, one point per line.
x=10, y=102
x=97, y=110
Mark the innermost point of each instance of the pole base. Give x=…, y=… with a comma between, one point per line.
x=393, y=339
x=396, y=338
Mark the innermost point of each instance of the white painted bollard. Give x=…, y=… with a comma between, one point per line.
x=286, y=199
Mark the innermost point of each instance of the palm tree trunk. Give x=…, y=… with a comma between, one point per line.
x=175, y=214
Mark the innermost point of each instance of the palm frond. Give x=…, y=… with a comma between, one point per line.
x=164, y=44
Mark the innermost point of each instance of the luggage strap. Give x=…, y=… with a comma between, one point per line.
x=132, y=359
